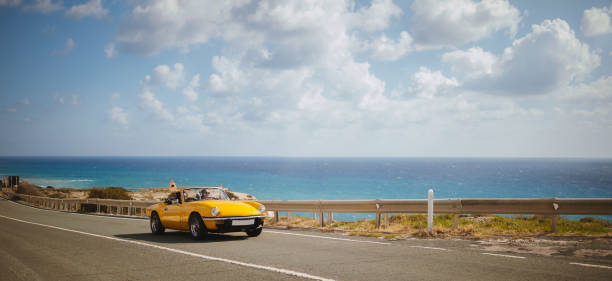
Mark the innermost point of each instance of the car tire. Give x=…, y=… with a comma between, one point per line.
x=197, y=227
x=156, y=226
x=254, y=232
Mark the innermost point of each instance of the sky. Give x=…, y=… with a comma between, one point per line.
x=381, y=78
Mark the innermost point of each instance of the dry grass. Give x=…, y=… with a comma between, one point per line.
x=415, y=225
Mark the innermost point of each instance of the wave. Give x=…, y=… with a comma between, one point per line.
x=57, y=182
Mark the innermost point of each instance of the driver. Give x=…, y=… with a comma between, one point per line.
x=204, y=194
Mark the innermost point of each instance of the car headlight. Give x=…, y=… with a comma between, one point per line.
x=214, y=211
x=262, y=208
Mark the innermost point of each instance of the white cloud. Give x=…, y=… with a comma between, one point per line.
x=314, y=101
x=190, y=92
x=456, y=22
x=118, y=115
x=547, y=58
x=596, y=21
x=109, y=50
x=11, y=110
x=10, y=2
x=92, y=8
x=282, y=68
x=68, y=46
x=470, y=64
x=163, y=75
x=43, y=6
x=375, y=17
x=228, y=76
x=428, y=84
x=593, y=92
x=25, y=101
x=149, y=102
x=386, y=49
x=543, y=61
x=155, y=25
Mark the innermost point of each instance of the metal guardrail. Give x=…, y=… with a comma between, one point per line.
x=383, y=207
x=552, y=207
x=106, y=206
x=540, y=206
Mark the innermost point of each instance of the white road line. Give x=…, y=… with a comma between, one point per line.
x=326, y=237
x=591, y=265
x=507, y=256
x=432, y=248
x=263, y=267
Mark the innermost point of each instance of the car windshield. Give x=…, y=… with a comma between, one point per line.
x=204, y=193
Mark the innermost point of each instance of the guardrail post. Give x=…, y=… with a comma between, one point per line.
x=288, y=215
x=455, y=221
x=330, y=217
x=377, y=215
x=321, y=219
x=430, y=195
x=130, y=209
x=386, y=219
x=553, y=227
x=276, y=218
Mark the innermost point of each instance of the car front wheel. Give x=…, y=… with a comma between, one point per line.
x=254, y=232
x=196, y=227
x=156, y=226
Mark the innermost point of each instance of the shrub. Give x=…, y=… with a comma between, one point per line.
x=57, y=195
x=29, y=189
x=118, y=193
x=587, y=219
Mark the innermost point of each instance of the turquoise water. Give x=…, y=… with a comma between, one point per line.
x=329, y=178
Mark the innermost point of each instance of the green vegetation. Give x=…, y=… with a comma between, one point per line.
x=404, y=225
x=118, y=193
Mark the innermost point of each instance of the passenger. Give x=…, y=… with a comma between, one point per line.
x=204, y=194
x=186, y=197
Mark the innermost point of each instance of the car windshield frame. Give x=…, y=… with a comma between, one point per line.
x=195, y=194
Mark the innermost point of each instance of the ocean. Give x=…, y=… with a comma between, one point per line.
x=329, y=178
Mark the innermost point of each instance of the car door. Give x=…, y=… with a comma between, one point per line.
x=171, y=216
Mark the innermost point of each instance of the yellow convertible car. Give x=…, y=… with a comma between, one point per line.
x=202, y=210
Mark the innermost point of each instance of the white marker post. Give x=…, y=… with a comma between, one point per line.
x=430, y=211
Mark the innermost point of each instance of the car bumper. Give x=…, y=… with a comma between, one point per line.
x=226, y=224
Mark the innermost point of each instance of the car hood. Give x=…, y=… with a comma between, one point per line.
x=230, y=208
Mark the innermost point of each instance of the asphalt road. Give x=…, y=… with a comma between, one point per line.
x=40, y=244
